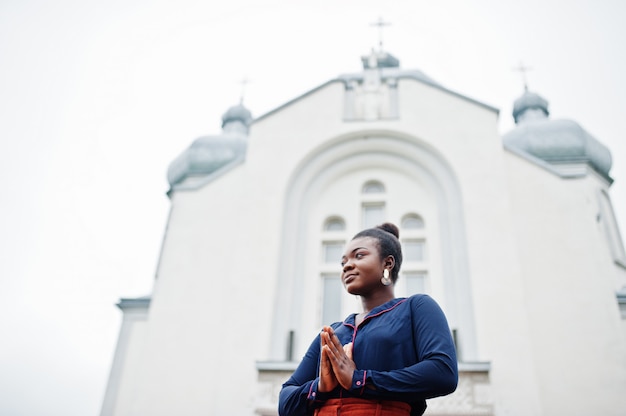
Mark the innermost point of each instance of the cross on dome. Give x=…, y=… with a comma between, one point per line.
x=245, y=81
x=523, y=70
x=380, y=24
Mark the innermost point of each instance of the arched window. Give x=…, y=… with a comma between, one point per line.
x=373, y=187
x=334, y=224
x=412, y=222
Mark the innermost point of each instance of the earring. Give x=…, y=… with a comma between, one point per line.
x=386, y=281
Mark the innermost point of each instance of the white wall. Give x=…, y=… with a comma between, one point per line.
x=569, y=281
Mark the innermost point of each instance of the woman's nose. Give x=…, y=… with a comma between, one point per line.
x=347, y=265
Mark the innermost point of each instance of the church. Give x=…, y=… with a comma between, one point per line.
x=512, y=233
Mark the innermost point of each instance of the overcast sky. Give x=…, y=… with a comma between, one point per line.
x=98, y=97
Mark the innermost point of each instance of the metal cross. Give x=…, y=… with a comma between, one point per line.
x=380, y=23
x=523, y=70
x=245, y=81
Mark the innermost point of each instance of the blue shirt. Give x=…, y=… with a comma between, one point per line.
x=403, y=351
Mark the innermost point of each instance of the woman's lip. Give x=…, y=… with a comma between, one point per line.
x=349, y=278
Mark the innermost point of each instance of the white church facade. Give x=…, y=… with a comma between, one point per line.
x=514, y=236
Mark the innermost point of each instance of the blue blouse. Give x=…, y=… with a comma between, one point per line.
x=403, y=351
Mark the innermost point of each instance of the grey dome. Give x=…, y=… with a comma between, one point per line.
x=209, y=154
x=529, y=101
x=553, y=141
x=237, y=113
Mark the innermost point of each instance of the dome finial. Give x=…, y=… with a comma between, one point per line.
x=522, y=70
x=245, y=81
x=379, y=59
x=380, y=24
x=530, y=106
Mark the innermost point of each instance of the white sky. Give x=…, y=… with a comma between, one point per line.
x=98, y=97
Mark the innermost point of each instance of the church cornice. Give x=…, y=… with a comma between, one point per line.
x=134, y=303
x=195, y=182
x=575, y=168
x=386, y=73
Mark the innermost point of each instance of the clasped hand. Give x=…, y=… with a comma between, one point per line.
x=336, y=365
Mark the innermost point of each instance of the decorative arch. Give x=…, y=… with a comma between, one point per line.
x=412, y=221
x=382, y=149
x=334, y=223
x=373, y=187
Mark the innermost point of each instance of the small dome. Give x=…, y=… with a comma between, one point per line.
x=237, y=113
x=554, y=141
x=530, y=102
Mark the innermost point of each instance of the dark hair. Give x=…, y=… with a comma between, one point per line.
x=387, y=235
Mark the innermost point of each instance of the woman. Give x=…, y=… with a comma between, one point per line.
x=384, y=361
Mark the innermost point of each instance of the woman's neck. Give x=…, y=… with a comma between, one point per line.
x=370, y=302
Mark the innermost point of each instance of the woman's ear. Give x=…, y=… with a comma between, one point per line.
x=389, y=262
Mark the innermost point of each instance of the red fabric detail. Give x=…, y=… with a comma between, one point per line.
x=362, y=407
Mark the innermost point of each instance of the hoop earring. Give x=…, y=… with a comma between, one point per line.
x=386, y=281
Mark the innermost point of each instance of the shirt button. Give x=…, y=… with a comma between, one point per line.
x=358, y=383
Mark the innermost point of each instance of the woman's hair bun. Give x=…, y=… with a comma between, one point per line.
x=390, y=228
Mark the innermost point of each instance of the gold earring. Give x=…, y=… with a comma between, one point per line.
x=386, y=281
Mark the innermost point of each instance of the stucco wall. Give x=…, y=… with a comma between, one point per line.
x=569, y=279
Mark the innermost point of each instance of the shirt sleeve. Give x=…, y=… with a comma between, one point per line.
x=299, y=394
x=435, y=373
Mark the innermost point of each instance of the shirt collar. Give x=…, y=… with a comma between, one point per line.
x=380, y=309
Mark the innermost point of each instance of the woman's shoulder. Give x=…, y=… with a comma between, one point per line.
x=419, y=297
x=422, y=299
x=336, y=325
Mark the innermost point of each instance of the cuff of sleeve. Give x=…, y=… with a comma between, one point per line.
x=312, y=391
x=315, y=395
x=358, y=380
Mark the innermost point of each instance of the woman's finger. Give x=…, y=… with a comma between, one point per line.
x=348, y=350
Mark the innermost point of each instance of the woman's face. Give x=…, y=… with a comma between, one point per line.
x=362, y=267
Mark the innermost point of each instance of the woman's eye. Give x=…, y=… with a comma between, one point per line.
x=359, y=255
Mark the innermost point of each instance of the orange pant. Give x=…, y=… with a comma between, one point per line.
x=361, y=407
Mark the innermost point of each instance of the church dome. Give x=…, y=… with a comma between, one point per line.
x=529, y=101
x=554, y=141
x=237, y=113
x=208, y=155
